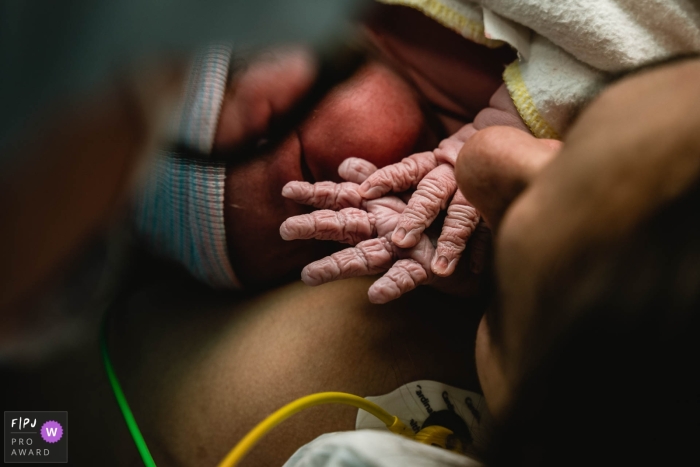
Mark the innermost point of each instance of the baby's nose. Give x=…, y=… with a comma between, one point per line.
x=497, y=164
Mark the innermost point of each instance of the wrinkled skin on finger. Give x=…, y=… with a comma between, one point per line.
x=460, y=223
x=353, y=118
x=367, y=225
x=412, y=93
x=432, y=175
x=431, y=196
x=436, y=188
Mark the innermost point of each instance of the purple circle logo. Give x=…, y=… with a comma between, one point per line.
x=51, y=431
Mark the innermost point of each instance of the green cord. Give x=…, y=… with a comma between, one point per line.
x=121, y=401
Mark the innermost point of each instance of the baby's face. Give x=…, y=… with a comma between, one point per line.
x=409, y=96
x=375, y=115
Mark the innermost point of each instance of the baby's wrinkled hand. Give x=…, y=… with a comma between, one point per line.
x=368, y=225
x=432, y=175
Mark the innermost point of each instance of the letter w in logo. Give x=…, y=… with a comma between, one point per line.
x=51, y=432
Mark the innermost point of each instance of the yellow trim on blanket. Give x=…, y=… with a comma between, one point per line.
x=449, y=18
x=525, y=104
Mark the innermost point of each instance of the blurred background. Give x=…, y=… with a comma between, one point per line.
x=85, y=88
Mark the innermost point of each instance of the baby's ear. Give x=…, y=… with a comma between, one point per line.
x=497, y=164
x=267, y=89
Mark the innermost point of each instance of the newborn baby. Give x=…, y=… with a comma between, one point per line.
x=556, y=74
x=217, y=217
x=220, y=217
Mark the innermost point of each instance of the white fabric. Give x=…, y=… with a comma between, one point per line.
x=372, y=448
x=609, y=35
x=502, y=29
x=558, y=85
x=568, y=48
x=577, y=42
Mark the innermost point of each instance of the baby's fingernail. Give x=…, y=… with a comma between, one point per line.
x=379, y=294
x=287, y=191
x=370, y=192
x=286, y=232
x=309, y=277
x=399, y=235
x=440, y=265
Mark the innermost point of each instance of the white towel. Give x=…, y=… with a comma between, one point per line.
x=567, y=48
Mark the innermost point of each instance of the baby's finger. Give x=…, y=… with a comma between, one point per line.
x=404, y=276
x=431, y=196
x=366, y=258
x=348, y=225
x=462, y=218
x=356, y=170
x=398, y=177
x=449, y=148
x=324, y=195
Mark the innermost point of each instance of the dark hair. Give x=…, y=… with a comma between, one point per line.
x=609, y=373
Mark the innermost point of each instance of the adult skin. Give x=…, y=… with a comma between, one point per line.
x=190, y=382
x=636, y=148
x=201, y=369
x=380, y=114
x=222, y=362
x=388, y=343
